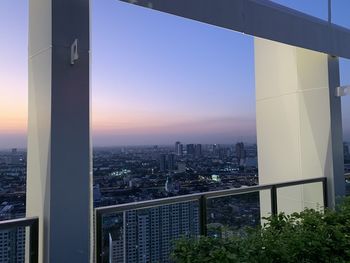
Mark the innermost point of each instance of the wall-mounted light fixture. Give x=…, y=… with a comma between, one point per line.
x=74, y=55
x=342, y=91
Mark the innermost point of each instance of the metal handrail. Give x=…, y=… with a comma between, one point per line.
x=197, y=196
x=202, y=199
x=33, y=224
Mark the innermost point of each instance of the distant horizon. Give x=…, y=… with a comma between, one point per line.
x=152, y=145
x=142, y=145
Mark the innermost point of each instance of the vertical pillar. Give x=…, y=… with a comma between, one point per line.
x=59, y=154
x=336, y=183
x=295, y=122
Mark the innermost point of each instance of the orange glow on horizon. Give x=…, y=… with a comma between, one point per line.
x=138, y=124
x=13, y=105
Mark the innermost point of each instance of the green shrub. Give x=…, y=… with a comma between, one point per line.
x=306, y=237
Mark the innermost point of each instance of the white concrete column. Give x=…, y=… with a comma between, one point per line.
x=294, y=129
x=59, y=155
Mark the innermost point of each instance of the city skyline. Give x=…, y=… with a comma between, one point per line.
x=151, y=86
x=148, y=131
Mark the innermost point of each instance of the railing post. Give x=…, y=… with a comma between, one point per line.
x=34, y=242
x=274, y=210
x=98, y=237
x=203, y=215
x=325, y=192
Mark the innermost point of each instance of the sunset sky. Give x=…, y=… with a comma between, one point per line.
x=156, y=78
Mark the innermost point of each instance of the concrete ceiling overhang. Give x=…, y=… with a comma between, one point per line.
x=261, y=18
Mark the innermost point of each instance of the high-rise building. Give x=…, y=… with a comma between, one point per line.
x=167, y=162
x=171, y=162
x=190, y=149
x=143, y=237
x=198, y=150
x=222, y=153
x=12, y=245
x=162, y=163
x=241, y=153
x=130, y=236
x=178, y=148
x=116, y=248
x=215, y=148
x=149, y=233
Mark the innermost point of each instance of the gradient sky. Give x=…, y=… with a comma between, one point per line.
x=156, y=78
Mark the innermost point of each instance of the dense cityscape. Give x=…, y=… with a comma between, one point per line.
x=138, y=173
x=129, y=174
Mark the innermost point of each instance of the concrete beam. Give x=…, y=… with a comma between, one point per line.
x=261, y=18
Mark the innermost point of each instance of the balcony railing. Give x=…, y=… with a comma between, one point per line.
x=14, y=225
x=142, y=230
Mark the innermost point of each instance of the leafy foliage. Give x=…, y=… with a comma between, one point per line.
x=307, y=237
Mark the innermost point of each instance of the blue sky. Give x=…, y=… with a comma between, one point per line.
x=156, y=78
x=185, y=80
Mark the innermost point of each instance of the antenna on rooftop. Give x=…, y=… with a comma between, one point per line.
x=330, y=11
